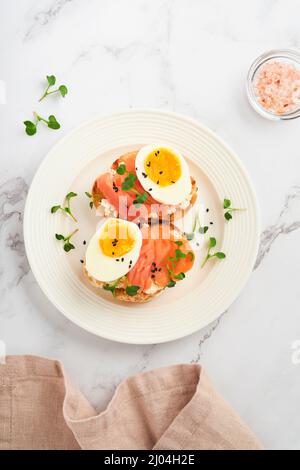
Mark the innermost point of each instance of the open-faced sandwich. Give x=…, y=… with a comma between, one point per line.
x=137, y=264
x=153, y=182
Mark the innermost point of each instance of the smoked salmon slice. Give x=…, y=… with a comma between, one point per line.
x=161, y=260
x=109, y=186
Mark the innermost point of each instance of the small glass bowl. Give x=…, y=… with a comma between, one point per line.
x=282, y=55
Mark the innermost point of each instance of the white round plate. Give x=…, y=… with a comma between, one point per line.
x=74, y=163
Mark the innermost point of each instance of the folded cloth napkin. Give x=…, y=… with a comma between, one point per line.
x=173, y=408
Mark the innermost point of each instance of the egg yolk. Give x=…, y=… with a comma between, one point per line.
x=163, y=167
x=115, y=240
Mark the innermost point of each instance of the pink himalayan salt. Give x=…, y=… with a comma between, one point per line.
x=277, y=87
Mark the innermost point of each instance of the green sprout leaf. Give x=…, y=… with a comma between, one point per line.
x=180, y=276
x=121, y=170
x=30, y=127
x=171, y=283
x=52, y=123
x=68, y=247
x=212, y=242
x=51, y=79
x=203, y=230
x=88, y=194
x=132, y=290
x=91, y=204
x=70, y=195
x=179, y=243
x=220, y=255
x=58, y=236
x=179, y=254
x=226, y=203
x=228, y=216
x=63, y=90
x=55, y=209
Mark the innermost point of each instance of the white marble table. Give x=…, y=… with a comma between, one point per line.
x=191, y=57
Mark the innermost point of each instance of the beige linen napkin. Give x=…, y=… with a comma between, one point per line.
x=173, y=408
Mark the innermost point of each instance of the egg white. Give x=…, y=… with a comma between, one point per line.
x=175, y=193
x=107, y=269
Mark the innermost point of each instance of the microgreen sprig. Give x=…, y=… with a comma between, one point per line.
x=219, y=254
x=111, y=287
x=196, y=227
x=128, y=182
x=67, y=208
x=172, y=263
x=62, y=89
x=68, y=246
x=132, y=290
x=89, y=195
x=229, y=209
x=128, y=185
x=31, y=126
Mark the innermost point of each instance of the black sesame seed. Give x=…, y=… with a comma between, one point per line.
x=152, y=276
x=153, y=264
x=161, y=172
x=149, y=164
x=122, y=259
x=172, y=181
x=81, y=261
x=207, y=210
x=84, y=242
x=157, y=182
x=117, y=259
x=159, y=269
x=211, y=223
x=112, y=252
x=144, y=175
x=150, y=189
x=157, y=151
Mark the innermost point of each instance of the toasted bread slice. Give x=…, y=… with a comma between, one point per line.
x=120, y=291
x=98, y=196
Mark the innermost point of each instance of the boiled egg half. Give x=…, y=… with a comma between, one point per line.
x=113, y=250
x=163, y=173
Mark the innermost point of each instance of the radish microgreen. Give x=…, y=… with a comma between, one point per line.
x=68, y=246
x=229, y=209
x=62, y=89
x=31, y=127
x=219, y=254
x=67, y=208
x=89, y=195
x=132, y=290
x=128, y=185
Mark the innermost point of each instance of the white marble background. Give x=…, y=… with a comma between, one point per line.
x=190, y=56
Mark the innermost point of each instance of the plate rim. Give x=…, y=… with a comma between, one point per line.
x=106, y=117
